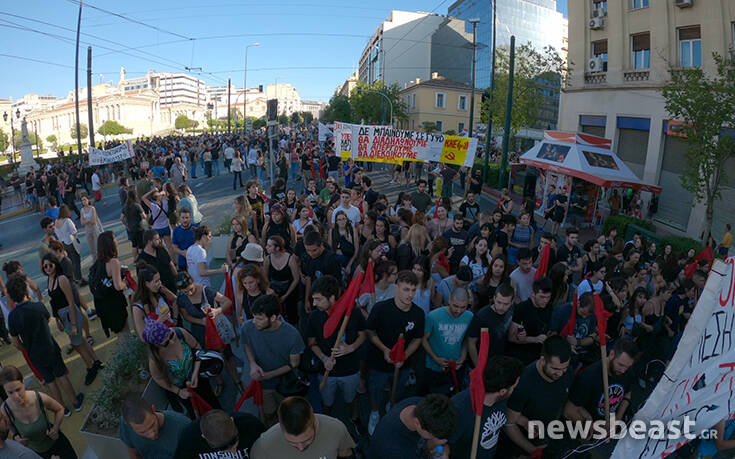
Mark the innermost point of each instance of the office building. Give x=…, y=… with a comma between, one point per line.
x=174, y=88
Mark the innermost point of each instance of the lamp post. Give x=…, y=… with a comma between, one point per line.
x=474, y=23
x=361, y=90
x=245, y=90
x=35, y=131
x=276, y=81
x=12, y=130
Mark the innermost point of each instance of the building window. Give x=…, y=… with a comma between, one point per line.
x=690, y=47
x=413, y=100
x=600, y=4
x=599, y=49
x=439, y=125
x=636, y=4
x=439, y=101
x=462, y=103
x=460, y=128
x=641, y=51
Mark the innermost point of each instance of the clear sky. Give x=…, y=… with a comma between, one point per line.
x=314, y=46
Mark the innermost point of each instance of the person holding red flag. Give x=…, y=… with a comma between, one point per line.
x=340, y=359
x=386, y=322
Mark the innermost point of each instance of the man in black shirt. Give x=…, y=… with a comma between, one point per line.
x=469, y=210
x=540, y=396
x=500, y=378
x=158, y=257
x=458, y=239
x=497, y=318
x=341, y=360
x=370, y=195
x=570, y=252
x=219, y=434
x=318, y=262
x=389, y=319
x=531, y=319
x=40, y=189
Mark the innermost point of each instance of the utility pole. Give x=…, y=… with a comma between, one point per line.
x=229, y=84
x=89, y=96
x=508, y=115
x=76, y=82
x=474, y=59
x=489, y=135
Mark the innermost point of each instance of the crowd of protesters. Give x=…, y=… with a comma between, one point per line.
x=443, y=268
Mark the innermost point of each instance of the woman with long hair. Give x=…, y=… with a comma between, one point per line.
x=241, y=207
x=173, y=365
x=496, y=274
x=172, y=197
x=478, y=259
x=559, y=275
x=383, y=235
x=371, y=250
x=66, y=232
x=26, y=421
x=157, y=202
x=592, y=247
x=238, y=239
x=279, y=225
x=189, y=201
x=152, y=300
x=291, y=203
x=302, y=220
x=367, y=229
x=133, y=217
x=344, y=240
x=251, y=285
x=283, y=273
x=92, y=224
x=425, y=297
x=438, y=259
x=109, y=299
x=412, y=246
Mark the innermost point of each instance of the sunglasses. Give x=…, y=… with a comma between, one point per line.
x=168, y=340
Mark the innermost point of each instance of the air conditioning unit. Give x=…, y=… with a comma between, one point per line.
x=597, y=23
x=594, y=65
x=683, y=3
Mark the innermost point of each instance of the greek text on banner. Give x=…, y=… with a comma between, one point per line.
x=113, y=155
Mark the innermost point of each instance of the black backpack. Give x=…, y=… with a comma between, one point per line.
x=96, y=274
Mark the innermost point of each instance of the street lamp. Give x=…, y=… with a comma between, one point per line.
x=12, y=130
x=276, y=81
x=361, y=90
x=245, y=90
x=474, y=23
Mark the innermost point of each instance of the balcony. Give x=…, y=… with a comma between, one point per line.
x=595, y=78
x=636, y=75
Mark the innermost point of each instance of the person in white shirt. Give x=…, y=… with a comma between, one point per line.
x=97, y=186
x=196, y=257
x=236, y=168
x=594, y=282
x=229, y=153
x=253, y=161
x=352, y=212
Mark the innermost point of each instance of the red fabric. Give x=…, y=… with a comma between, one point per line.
x=543, y=264
x=130, y=280
x=571, y=325
x=212, y=340
x=198, y=404
x=368, y=284
x=690, y=268
x=601, y=314
x=265, y=197
x=229, y=292
x=343, y=306
x=254, y=390
x=453, y=372
x=537, y=454
x=436, y=208
x=442, y=261
x=705, y=254
x=398, y=351
x=477, y=383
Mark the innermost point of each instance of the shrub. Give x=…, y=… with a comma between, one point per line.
x=224, y=227
x=621, y=222
x=493, y=169
x=679, y=244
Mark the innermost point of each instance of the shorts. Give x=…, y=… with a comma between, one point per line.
x=271, y=400
x=347, y=384
x=163, y=231
x=97, y=195
x=136, y=238
x=77, y=339
x=379, y=380
x=53, y=370
x=43, y=201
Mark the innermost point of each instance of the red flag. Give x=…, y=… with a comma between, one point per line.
x=601, y=314
x=343, y=306
x=477, y=382
x=442, y=261
x=398, y=351
x=229, y=293
x=130, y=280
x=571, y=325
x=212, y=340
x=254, y=390
x=368, y=286
x=705, y=254
x=543, y=264
x=198, y=404
x=453, y=372
x=436, y=208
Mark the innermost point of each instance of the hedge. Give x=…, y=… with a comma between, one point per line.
x=493, y=170
x=679, y=244
x=621, y=222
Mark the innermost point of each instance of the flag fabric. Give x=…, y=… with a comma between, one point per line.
x=477, y=382
x=442, y=261
x=571, y=325
x=543, y=264
x=453, y=372
x=436, y=208
x=212, y=340
x=398, y=351
x=254, y=390
x=368, y=284
x=343, y=306
x=229, y=293
x=705, y=254
x=602, y=315
x=132, y=284
x=198, y=404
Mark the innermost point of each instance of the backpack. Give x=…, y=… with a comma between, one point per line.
x=96, y=274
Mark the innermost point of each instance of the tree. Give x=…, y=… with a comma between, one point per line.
x=428, y=126
x=339, y=109
x=111, y=127
x=450, y=132
x=18, y=139
x=258, y=123
x=183, y=122
x=530, y=66
x=296, y=118
x=282, y=119
x=84, y=131
x=705, y=104
x=308, y=117
x=372, y=107
x=4, y=141
x=52, y=139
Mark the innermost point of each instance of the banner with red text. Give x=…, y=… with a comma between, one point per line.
x=699, y=383
x=386, y=144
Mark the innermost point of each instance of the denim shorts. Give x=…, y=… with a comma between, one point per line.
x=164, y=231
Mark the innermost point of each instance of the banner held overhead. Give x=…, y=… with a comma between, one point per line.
x=121, y=152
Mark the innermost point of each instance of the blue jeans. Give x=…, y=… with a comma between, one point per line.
x=294, y=170
x=215, y=163
x=193, y=169
x=378, y=381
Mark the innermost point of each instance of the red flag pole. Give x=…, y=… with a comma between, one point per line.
x=478, y=419
x=395, y=380
x=341, y=333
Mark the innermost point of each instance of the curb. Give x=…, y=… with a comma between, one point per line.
x=27, y=210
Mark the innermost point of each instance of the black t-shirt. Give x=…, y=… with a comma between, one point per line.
x=193, y=446
x=392, y=439
x=348, y=364
x=535, y=321
x=324, y=264
x=458, y=240
x=387, y=321
x=52, y=185
x=40, y=188
x=29, y=322
x=570, y=256
x=538, y=399
x=162, y=262
x=333, y=163
x=492, y=421
x=476, y=187
x=132, y=215
x=371, y=196
x=497, y=326
x=469, y=210
x=587, y=390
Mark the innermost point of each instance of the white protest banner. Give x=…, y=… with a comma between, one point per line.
x=698, y=383
x=113, y=155
x=324, y=132
x=389, y=145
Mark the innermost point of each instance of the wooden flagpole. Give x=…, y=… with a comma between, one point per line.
x=341, y=333
x=478, y=418
x=605, y=385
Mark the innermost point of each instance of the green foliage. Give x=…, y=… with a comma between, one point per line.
x=529, y=65
x=224, y=226
x=296, y=118
x=258, y=123
x=450, y=132
x=17, y=140
x=428, y=126
x=493, y=171
x=283, y=119
x=339, y=109
x=679, y=245
x=235, y=115
x=705, y=104
x=84, y=131
x=183, y=122
x=308, y=117
x=52, y=139
x=4, y=141
x=621, y=222
x=112, y=127
x=373, y=108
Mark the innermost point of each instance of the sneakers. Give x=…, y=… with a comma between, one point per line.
x=69, y=350
x=91, y=375
x=79, y=401
x=373, y=422
x=91, y=314
x=67, y=412
x=359, y=427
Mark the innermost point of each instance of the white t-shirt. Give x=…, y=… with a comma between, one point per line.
x=478, y=269
x=96, y=184
x=236, y=165
x=353, y=213
x=195, y=255
x=252, y=156
x=587, y=286
x=229, y=152
x=283, y=144
x=65, y=231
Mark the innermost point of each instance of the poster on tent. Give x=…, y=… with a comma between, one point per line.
x=121, y=152
x=325, y=132
x=700, y=378
x=544, y=181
